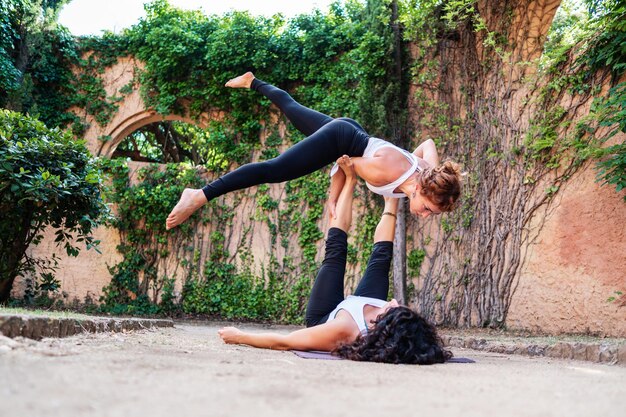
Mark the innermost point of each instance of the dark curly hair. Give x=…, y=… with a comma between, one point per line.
x=399, y=336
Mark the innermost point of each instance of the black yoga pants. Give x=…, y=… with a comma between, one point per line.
x=327, y=291
x=327, y=139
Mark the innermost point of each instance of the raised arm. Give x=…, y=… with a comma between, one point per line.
x=386, y=227
x=325, y=337
x=341, y=192
x=428, y=152
x=336, y=185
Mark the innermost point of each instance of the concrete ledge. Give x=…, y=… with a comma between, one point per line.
x=38, y=327
x=592, y=352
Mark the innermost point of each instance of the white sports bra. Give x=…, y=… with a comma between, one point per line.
x=373, y=145
x=354, y=305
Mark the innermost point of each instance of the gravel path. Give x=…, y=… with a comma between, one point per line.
x=186, y=370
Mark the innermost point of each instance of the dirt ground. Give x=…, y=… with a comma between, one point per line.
x=187, y=370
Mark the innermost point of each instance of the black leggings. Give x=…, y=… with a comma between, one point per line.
x=327, y=291
x=327, y=140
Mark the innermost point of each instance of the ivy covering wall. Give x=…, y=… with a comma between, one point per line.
x=523, y=120
x=407, y=70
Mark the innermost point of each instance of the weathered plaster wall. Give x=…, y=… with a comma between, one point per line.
x=578, y=258
x=81, y=277
x=577, y=262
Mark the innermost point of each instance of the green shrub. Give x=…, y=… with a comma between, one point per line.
x=242, y=296
x=47, y=179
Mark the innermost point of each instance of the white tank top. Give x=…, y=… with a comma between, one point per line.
x=373, y=145
x=354, y=305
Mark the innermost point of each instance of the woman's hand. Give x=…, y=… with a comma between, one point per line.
x=230, y=335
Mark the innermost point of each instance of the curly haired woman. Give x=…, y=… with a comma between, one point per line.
x=363, y=326
x=388, y=170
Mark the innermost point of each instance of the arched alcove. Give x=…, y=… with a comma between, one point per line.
x=134, y=123
x=132, y=113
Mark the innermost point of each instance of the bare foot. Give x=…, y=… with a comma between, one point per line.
x=190, y=201
x=346, y=165
x=243, y=81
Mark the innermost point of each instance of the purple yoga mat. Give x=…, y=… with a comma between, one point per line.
x=316, y=354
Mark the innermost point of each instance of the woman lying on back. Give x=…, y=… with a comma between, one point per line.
x=364, y=326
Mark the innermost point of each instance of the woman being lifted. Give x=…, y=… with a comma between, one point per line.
x=362, y=327
x=388, y=170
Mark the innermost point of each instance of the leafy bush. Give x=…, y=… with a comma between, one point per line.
x=47, y=179
x=36, y=55
x=241, y=296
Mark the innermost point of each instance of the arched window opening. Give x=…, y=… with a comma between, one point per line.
x=172, y=142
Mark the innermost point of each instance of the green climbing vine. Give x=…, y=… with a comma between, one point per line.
x=186, y=58
x=518, y=151
x=346, y=62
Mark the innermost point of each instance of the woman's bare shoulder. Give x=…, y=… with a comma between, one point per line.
x=346, y=324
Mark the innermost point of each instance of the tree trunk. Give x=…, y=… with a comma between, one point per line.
x=5, y=289
x=13, y=250
x=400, y=129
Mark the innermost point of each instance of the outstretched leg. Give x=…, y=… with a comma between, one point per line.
x=334, y=138
x=327, y=290
x=309, y=155
x=306, y=120
x=375, y=281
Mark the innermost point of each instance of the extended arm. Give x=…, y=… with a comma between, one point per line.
x=336, y=185
x=385, y=230
x=325, y=337
x=428, y=152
